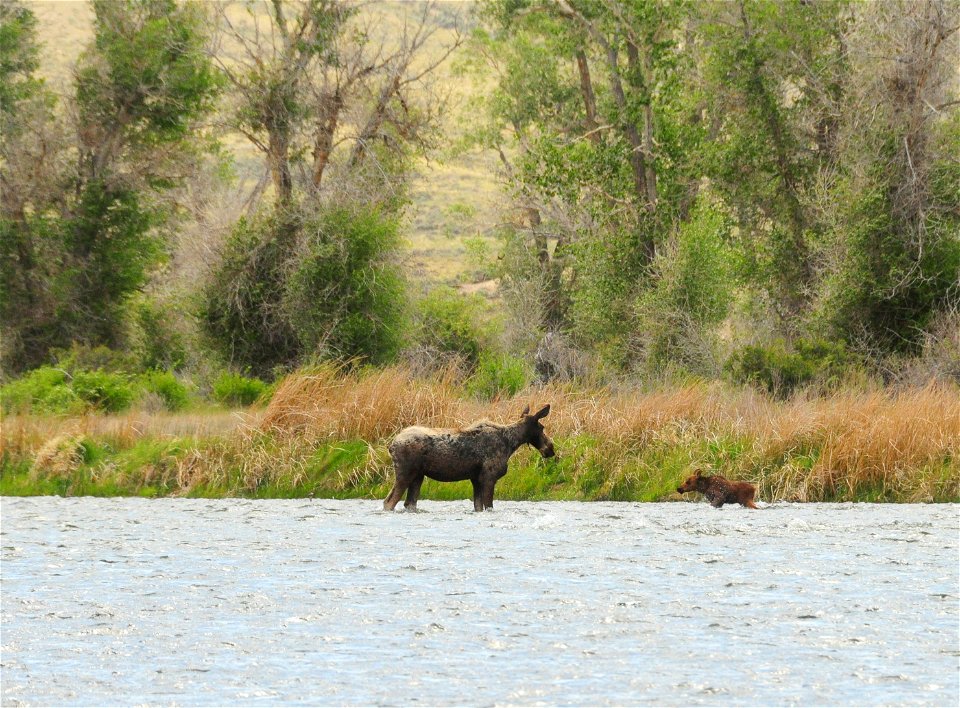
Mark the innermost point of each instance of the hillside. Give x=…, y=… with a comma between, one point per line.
x=455, y=198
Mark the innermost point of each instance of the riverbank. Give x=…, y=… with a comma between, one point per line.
x=324, y=434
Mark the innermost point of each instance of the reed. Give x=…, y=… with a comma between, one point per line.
x=325, y=433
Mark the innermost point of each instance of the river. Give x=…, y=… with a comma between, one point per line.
x=211, y=602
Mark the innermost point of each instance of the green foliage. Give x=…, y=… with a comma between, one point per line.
x=236, y=390
x=241, y=312
x=50, y=390
x=781, y=371
x=104, y=390
x=148, y=75
x=43, y=390
x=448, y=323
x=157, y=341
x=19, y=57
x=166, y=386
x=692, y=292
x=79, y=240
x=90, y=378
x=344, y=296
x=498, y=375
x=891, y=280
x=292, y=286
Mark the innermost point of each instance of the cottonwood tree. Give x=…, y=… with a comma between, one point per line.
x=892, y=252
x=336, y=97
x=318, y=78
x=90, y=234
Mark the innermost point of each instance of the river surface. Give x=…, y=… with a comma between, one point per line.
x=199, y=602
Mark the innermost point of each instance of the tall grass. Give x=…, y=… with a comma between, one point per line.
x=325, y=433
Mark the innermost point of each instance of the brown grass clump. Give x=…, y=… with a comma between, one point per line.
x=877, y=438
x=59, y=458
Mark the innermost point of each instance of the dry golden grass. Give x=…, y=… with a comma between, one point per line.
x=612, y=444
x=804, y=448
x=25, y=436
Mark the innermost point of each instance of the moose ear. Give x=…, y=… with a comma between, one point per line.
x=526, y=412
x=542, y=413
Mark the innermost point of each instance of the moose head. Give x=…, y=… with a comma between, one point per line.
x=533, y=433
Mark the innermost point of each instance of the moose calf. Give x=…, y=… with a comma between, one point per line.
x=720, y=491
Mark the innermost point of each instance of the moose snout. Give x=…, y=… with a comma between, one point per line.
x=547, y=450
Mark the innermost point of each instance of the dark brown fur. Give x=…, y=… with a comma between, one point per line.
x=479, y=453
x=720, y=491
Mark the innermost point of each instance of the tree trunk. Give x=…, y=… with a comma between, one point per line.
x=589, y=99
x=650, y=174
x=277, y=158
x=376, y=119
x=326, y=128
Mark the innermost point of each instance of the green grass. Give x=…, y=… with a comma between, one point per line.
x=265, y=467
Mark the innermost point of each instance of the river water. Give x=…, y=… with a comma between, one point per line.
x=198, y=602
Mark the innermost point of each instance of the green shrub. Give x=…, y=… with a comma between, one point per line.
x=306, y=284
x=158, y=343
x=165, y=385
x=43, y=390
x=345, y=296
x=498, y=375
x=450, y=323
x=241, y=312
x=781, y=371
x=104, y=390
x=236, y=390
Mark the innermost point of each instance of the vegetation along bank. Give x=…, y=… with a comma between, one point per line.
x=324, y=434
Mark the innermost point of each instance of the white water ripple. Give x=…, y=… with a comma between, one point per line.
x=198, y=602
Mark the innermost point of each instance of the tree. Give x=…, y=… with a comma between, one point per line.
x=336, y=107
x=80, y=222
x=299, y=69
x=892, y=250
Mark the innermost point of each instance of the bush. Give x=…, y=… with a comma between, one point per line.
x=166, y=386
x=104, y=390
x=50, y=390
x=43, y=390
x=691, y=294
x=498, y=375
x=448, y=323
x=156, y=340
x=241, y=312
x=344, y=298
x=307, y=284
x=236, y=390
x=781, y=372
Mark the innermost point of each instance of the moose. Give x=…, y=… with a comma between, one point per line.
x=719, y=490
x=479, y=452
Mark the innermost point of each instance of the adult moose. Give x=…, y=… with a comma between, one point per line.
x=479, y=452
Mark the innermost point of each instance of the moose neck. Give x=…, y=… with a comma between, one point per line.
x=514, y=436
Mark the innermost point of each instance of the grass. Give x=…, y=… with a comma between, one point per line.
x=325, y=433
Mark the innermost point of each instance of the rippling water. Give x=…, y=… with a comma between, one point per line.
x=122, y=601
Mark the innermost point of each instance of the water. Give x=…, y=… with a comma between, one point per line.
x=126, y=601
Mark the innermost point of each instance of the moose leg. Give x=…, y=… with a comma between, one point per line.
x=399, y=487
x=487, y=493
x=477, y=499
x=413, y=493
